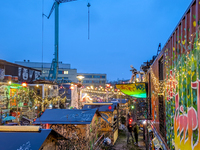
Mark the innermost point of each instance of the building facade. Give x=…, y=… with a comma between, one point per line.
x=65, y=72
x=93, y=79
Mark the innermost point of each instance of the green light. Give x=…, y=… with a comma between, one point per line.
x=132, y=107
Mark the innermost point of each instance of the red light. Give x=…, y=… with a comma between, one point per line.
x=24, y=84
x=61, y=87
x=47, y=126
x=109, y=107
x=130, y=120
x=71, y=87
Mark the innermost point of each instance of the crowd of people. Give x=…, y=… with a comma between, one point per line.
x=132, y=128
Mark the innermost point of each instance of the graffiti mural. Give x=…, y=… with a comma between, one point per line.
x=182, y=90
x=186, y=122
x=25, y=74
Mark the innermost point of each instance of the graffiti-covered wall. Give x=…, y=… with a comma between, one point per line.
x=23, y=74
x=181, y=83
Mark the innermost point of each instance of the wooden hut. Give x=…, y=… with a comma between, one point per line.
x=79, y=126
x=109, y=118
x=123, y=109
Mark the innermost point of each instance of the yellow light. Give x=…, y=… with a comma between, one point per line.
x=71, y=87
x=37, y=85
x=108, y=85
x=24, y=84
x=49, y=86
x=9, y=82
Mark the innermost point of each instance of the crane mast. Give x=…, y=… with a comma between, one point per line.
x=55, y=65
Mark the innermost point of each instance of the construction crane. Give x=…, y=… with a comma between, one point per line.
x=54, y=66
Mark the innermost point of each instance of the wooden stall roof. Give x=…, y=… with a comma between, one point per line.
x=25, y=140
x=67, y=116
x=122, y=101
x=109, y=107
x=19, y=128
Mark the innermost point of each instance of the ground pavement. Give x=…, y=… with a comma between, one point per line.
x=121, y=143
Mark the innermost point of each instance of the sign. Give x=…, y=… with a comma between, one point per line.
x=137, y=90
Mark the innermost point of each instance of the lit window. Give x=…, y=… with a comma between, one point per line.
x=65, y=72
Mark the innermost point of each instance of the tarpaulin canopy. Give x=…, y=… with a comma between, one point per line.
x=23, y=140
x=8, y=118
x=66, y=116
x=137, y=90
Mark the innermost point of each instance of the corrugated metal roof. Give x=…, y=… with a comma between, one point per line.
x=16, y=65
x=23, y=140
x=123, y=101
x=101, y=107
x=66, y=116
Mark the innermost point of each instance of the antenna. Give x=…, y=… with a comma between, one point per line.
x=159, y=49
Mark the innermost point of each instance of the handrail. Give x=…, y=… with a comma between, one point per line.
x=160, y=138
x=98, y=141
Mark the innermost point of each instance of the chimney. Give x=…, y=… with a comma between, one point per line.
x=28, y=60
x=24, y=60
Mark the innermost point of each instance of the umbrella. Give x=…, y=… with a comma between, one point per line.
x=9, y=118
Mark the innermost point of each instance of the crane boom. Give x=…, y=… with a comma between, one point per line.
x=63, y=1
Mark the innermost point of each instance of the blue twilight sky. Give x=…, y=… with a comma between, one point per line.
x=122, y=32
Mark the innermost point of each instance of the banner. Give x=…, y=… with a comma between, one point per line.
x=137, y=90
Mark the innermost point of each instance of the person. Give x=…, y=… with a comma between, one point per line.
x=136, y=132
x=128, y=115
x=129, y=132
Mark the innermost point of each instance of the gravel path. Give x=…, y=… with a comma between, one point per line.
x=121, y=143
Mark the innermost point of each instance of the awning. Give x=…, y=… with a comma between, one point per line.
x=137, y=90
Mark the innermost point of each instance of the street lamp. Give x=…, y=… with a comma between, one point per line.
x=79, y=77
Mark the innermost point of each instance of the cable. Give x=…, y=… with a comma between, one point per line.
x=42, y=31
x=88, y=5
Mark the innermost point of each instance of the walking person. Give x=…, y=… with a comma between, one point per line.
x=129, y=132
x=136, y=132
